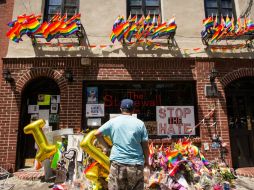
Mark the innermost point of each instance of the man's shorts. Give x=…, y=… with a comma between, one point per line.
x=126, y=177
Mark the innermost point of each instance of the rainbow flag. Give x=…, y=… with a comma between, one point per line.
x=250, y=25
x=112, y=37
x=148, y=19
x=14, y=32
x=222, y=22
x=238, y=27
x=215, y=22
x=216, y=34
x=33, y=25
x=117, y=22
x=159, y=20
x=232, y=27
x=141, y=20
x=208, y=23
x=228, y=22
x=129, y=33
x=50, y=29
x=133, y=19
x=154, y=21
x=74, y=18
x=173, y=157
x=158, y=30
x=205, y=162
x=171, y=21
x=70, y=29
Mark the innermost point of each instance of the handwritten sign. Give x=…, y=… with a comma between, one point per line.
x=175, y=120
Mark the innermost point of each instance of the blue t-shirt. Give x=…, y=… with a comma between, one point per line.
x=127, y=133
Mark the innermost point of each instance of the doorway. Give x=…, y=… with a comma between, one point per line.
x=240, y=109
x=34, y=90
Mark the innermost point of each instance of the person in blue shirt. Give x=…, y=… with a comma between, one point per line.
x=130, y=151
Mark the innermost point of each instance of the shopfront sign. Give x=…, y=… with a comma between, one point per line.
x=175, y=120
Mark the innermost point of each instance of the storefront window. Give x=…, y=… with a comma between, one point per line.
x=146, y=97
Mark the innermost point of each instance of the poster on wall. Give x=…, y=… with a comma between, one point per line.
x=94, y=110
x=43, y=100
x=175, y=120
x=92, y=95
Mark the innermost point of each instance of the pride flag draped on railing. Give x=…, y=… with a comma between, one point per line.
x=147, y=28
x=226, y=28
x=33, y=27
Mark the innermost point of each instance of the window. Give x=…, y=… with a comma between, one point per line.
x=146, y=96
x=53, y=7
x=143, y=7
x=219, y=7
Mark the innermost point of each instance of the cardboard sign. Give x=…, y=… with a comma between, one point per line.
x=175, y=120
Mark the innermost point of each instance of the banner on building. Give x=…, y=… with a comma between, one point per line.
x=175, y=120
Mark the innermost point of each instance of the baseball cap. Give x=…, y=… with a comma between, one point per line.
x=127, y=104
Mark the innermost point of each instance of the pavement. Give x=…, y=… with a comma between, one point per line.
x=242, y=183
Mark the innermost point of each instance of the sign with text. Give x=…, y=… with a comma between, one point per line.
x=175, y=120
x=94, y=110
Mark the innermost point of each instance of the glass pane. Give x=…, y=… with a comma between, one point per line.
x=54, y=9
x=226, y=4
x=55, y=2
x=71, y=2
x=135, y=11
x=152, y=10
x=135, y=2
x=211, y=3
x=70, y=10
x=152, y=2
x=212, y=12
x=226, y=12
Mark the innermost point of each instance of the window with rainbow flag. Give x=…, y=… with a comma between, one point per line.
x=33, y=27
x=146, y=29
x=227, y=29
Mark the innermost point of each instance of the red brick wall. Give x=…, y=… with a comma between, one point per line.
x=6, y=9
x=137, y=69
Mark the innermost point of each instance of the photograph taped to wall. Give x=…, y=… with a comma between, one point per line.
x=54, y=108
x=94, y=122
x=33, y=109
x=55, y=99
x=34, y=117
x=53, y=118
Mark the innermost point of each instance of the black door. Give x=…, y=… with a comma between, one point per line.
x=26, y=144
x=240, y=108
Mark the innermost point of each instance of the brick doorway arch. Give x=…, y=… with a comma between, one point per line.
x=30, y=85
x=239, y=91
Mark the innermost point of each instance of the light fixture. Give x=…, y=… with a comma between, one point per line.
x=7, y=76
x=213, y=74
x=68, y=75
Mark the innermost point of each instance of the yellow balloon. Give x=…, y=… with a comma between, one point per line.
x=87, y=145
x=45, y=150
x=93, y=174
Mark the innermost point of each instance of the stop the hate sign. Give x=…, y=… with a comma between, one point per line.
x=175, y=120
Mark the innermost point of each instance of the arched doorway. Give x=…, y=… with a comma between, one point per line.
x=240, y=109
x=38, y=94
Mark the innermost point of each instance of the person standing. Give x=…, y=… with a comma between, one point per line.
x=130, y=151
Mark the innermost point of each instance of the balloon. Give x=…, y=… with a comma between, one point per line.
x=57, y=155
x=93, y=172
x=45, y=150
x=94, y=152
